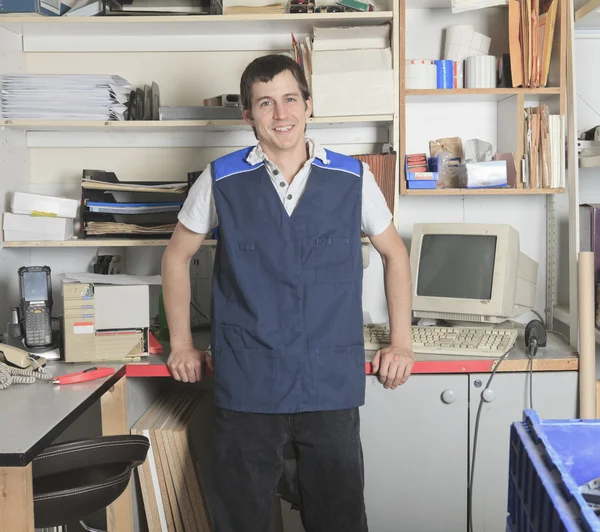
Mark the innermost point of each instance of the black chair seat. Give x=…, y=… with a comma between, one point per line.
x=74, y=479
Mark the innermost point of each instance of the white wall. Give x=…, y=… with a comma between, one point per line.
x=187, y=78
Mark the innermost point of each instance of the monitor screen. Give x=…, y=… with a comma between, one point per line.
x=35, y=287
x=456, y=266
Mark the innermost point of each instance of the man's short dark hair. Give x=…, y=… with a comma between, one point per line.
x=264, y=69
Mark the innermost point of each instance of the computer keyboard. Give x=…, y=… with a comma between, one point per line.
x=463, y=341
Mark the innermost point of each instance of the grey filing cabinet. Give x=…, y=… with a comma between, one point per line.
x=415, y=448
x=554, y=397
x=418, y=439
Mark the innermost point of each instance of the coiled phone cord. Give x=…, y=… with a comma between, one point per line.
x=10, y=375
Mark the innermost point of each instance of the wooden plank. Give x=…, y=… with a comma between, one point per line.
x=119, y=515
x=402, y=109
x=174, y=464
x=147, y=471
x=16, y=499
x=181, y=442
x=590, y=7
x=165, y=479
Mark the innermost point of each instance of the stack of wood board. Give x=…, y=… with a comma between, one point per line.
x=170, y=488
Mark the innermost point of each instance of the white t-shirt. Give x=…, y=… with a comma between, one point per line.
x=199, y=214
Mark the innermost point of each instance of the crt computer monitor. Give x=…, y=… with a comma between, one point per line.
x=470, y=272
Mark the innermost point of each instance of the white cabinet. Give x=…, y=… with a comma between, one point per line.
x=554, y=397
x=415, y=450
x=418, y=438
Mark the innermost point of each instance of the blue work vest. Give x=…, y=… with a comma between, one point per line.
x=287, y=290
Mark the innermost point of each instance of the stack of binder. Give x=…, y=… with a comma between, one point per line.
x=132, y=209
x=63, y=97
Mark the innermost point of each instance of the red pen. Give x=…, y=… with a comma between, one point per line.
x=89, y=374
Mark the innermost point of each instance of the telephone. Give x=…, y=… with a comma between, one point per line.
x=13, y=356
x=17, y=367
x=36, y=304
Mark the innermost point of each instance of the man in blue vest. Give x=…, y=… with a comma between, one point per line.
x=287, y=340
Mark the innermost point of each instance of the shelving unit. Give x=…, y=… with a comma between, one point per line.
x=94, y=242
x=182, y=45
x=511, y=101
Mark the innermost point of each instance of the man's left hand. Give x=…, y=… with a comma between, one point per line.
x=394, y=365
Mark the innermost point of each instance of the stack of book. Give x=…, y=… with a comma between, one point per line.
x=133, y=209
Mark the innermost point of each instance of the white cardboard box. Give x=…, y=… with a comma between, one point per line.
x=26, y=203
x=351, y=38
x=329, y=61
x=20, y=227
x=353, y=93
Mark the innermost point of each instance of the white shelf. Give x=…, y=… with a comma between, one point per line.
x=186, y=125
x=93, y=243
x=175, y=33
x=474, y=95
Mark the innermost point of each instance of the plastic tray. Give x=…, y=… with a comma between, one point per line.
x=549, y=461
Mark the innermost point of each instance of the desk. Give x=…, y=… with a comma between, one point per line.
x=39, y=412
x=32, y=416
x=556, y=356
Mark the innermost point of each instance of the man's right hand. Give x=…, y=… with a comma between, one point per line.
x=186, y=364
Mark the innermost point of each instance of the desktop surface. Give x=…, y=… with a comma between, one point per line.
x=33, y=415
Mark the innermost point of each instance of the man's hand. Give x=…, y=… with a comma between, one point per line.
x=186, y=364
x=394, y=365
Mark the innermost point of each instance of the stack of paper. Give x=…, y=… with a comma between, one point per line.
x=531, y=26
x=64, y=97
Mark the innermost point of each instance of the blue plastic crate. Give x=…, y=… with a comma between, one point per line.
x=422, y=184
x=549, y=461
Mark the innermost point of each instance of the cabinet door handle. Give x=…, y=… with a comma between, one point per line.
x=448, y=396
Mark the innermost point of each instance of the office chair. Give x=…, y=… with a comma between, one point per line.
x=74, y=479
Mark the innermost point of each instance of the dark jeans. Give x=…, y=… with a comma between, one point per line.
x=248, y=461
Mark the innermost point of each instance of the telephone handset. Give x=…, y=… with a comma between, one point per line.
x=28, y=369
x=36, y=303
x=15, y=356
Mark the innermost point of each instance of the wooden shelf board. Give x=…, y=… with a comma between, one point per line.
x=587, y=13
x=178, y=125
x=193, y=24
x=92, y=242
x=481, y=191
x=474, y=95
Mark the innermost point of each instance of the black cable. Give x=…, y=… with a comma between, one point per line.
x=548, y=330
x=197, y=309
x=530, y=380
x=472, y=472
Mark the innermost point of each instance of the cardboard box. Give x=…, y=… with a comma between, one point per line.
x=353, y=93
x=25, y=203
x=329, y=61
x=21, y=227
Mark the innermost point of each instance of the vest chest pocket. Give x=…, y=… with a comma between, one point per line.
x=334, y=260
